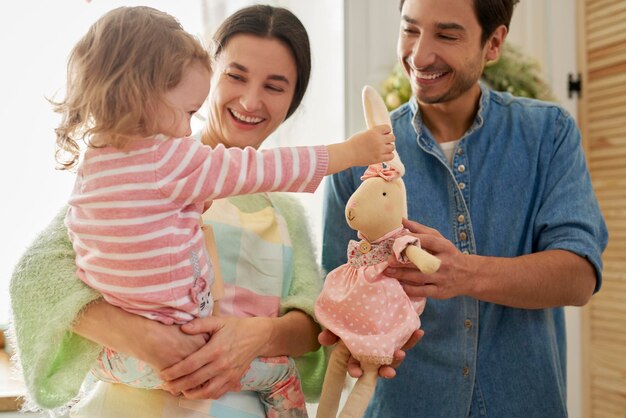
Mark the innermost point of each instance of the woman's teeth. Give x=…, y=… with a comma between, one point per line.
x=244, y=118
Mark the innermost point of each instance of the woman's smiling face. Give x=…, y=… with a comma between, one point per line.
x=252, y=88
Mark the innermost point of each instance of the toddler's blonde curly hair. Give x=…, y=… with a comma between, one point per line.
x=118, y=73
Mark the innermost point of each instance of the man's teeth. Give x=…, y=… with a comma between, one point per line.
x=244, y=118
x=429, y=76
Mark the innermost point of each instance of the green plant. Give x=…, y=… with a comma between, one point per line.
x=513, y=72
x=396, y=88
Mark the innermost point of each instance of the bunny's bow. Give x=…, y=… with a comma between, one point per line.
x=385, y=171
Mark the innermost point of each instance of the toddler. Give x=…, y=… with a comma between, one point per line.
x=134, y=81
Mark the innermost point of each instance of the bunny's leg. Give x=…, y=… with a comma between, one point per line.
x=361, y=393
x=333, y=381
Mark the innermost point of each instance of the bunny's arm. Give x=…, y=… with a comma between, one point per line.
x=423, y=260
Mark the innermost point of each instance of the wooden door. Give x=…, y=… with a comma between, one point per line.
x=602, y=116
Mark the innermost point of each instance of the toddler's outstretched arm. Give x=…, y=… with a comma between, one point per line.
x=372, y=146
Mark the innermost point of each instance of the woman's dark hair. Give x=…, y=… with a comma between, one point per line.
x=490, y=14
x=275, y=23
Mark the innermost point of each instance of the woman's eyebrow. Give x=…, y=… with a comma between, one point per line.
x=275, y=77
x=278, y=77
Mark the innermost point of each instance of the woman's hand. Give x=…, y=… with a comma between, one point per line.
x=165, y=345
x=327, y=338
x=218, y=367
x=150, y=341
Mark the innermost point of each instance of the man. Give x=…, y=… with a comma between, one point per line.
x=503, y=184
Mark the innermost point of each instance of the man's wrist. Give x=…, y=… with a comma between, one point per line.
x=470, y=277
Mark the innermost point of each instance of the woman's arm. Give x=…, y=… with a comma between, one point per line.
x=150, y=341
x=46, y=298
x=293, y=334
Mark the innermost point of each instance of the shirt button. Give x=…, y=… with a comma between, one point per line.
x=461, y=168
x=461, y=186
x=466, y=371
x=460, y=218
x=463, y=236
x=459, y=151
x=468, y=324
x=465, y=252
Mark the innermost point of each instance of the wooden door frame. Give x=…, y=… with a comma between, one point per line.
x=584, y=130
x=582, y=69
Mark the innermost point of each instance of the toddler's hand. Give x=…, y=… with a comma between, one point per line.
x=372, y=146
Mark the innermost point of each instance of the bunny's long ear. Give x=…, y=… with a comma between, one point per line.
x=376, y=114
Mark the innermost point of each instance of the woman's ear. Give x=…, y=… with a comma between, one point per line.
x=493, y=46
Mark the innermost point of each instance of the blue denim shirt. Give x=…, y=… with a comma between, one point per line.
x=518, y=184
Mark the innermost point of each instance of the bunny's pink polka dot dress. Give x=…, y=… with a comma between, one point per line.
x=369, y=311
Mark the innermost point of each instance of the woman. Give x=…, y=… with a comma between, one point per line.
x=267, y=261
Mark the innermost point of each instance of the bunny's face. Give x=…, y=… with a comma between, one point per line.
x=376, y=207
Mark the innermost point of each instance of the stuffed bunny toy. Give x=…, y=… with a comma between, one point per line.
x=368, y=311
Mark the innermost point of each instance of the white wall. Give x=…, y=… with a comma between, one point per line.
x=372, y=28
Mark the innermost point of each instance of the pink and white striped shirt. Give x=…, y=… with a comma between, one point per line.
x=133, y=216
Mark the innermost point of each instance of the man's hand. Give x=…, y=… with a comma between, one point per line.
x=453, y=277
x=327, y=338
